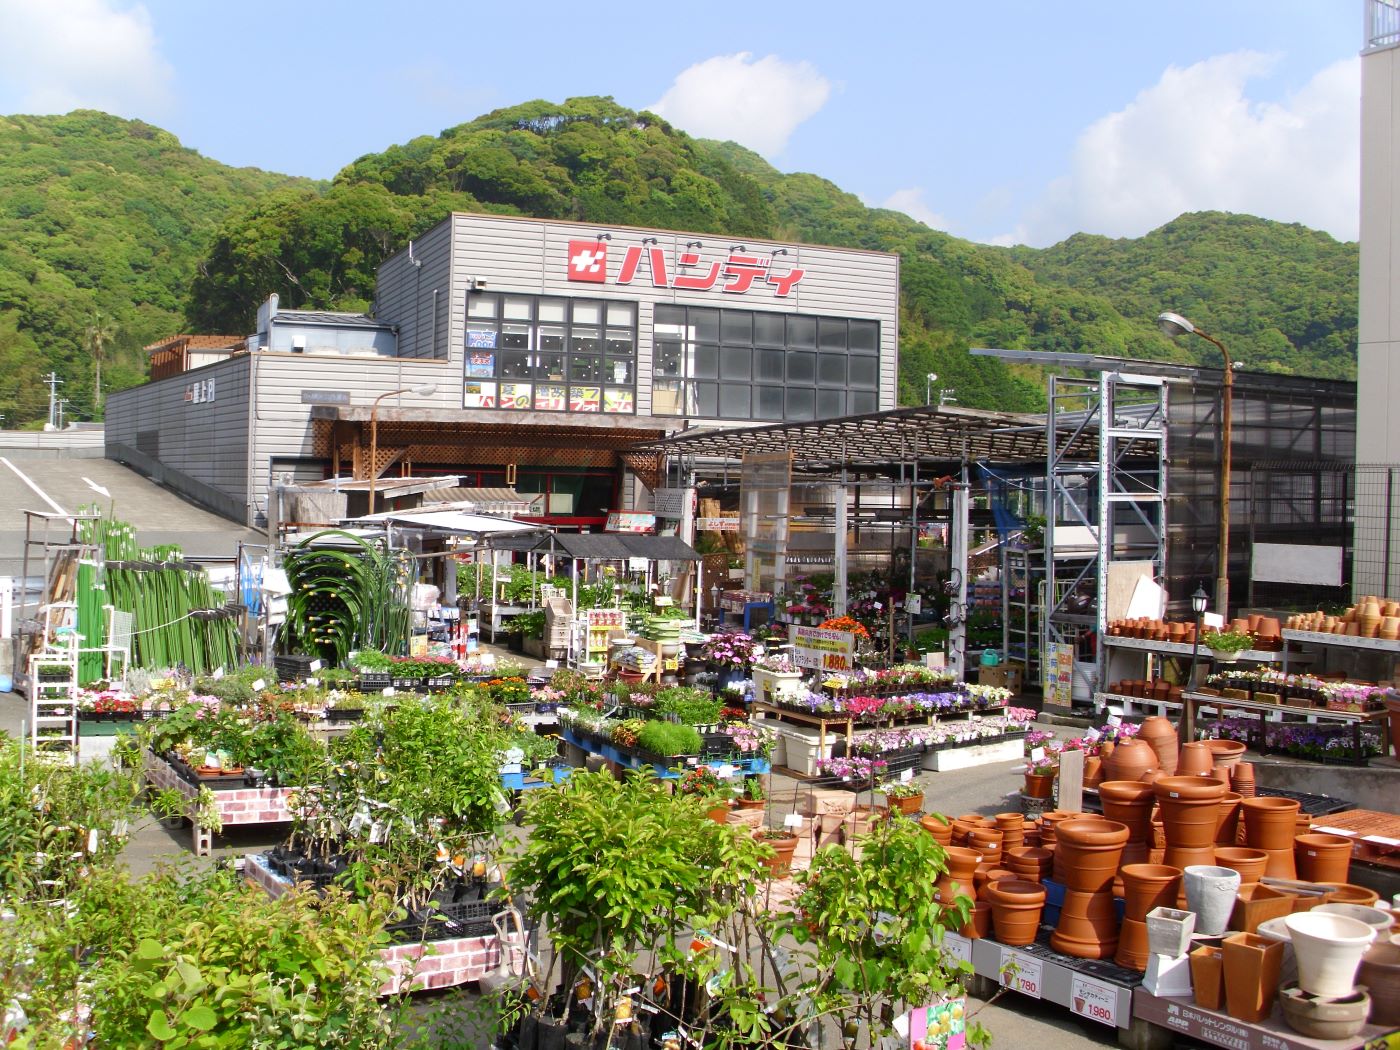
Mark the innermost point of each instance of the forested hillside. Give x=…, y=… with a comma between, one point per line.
x=112, y=218
x=102, y=222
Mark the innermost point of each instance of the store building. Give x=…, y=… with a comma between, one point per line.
x=550, y=347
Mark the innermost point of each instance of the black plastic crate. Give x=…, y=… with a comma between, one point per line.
x=374, y=681
x=294, y=667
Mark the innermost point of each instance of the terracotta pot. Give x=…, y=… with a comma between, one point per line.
x=1380, y=972
x=1322, y=858
x=1248, y=862
x=1228, y=819
x=988, y=873
x=1258, y=903
x=1225, y=752
x=1207, y=977
x=1016, y=906
x=1129, y=760
x=1038, y=785
x=986, y=841
x=1347, y=893
x=1210, y=893
x=1087, y=857
x=1190, y=808
x=1324, y=1019
x=1130, y=802
x=979, y=921
x=719, y=813
x=942, y=833
x=1279, y=864
x=960, y=879
x=1093, y=770
x=1270, y=822
x=1242, y=779
x=781, y=861
x=1159, y=734
x=1031, y=863
x=1145, y=886
x=909, y=805
x=1194, y=760
x=1251, y=965
x=1329, y=950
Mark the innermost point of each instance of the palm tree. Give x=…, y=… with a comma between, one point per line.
x=95, y=337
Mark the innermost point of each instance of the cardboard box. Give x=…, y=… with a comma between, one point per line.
x=1008, y=676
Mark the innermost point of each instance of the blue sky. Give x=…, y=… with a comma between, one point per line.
x=1006, y=122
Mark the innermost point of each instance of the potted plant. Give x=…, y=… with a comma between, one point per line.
x=906, y=797
x=754, y=795
x=783, y=844
x=705, y=784
x=1226, y=646
x=1040, y=777
x=776, y=676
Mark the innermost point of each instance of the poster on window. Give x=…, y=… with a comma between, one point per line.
x=584, y=399
x=479, y=395
x=615, y=400
x=550, y=398
x=515, y=395
x=480, y=365
x=478, y=338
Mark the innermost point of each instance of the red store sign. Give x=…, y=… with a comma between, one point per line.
x=588, y=261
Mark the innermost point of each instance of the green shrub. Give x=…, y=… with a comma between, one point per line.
x=695, y=707
x=668, y=739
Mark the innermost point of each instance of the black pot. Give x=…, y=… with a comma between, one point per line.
x=550, y=1034
x=528, y=1033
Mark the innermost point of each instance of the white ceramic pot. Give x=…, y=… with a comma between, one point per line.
x=1378, y=920
x=1169, y=931
x=1210, y=893
x=1329, y=950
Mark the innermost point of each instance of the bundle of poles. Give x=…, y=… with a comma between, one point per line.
x=178, y=619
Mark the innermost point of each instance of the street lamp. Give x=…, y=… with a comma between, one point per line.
x=1174, y=325
x=1187, y=729
x=422, y=390
x=929, y=380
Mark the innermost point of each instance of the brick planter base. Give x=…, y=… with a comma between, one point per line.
x=237, y=806
x=432, y=964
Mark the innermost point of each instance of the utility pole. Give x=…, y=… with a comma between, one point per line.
x=61, y=402
x=54, y=383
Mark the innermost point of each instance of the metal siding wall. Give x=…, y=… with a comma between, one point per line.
x=282, y=424
x=404, y=294
x=530, y=257
x=207, y=442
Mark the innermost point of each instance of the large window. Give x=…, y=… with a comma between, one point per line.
x=736, y=364
x=550, y=354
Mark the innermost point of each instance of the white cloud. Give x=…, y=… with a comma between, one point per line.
x=911, y=202
x=58, y=55
x=1195, y=141
x=758, y=104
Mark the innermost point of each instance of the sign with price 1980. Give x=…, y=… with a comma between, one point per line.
x=1021, y=972
x=1093, y=999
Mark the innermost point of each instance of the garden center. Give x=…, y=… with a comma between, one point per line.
x=538, y=717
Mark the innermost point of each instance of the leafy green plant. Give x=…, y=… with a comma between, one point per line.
x=344, y=600
x=668, y=739
x=529, y=624
x=1226, y=641
x=695, y=707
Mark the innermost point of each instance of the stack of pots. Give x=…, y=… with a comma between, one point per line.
x=1160, y=735
x=1129, y=802
x=1016, y=907
x=939, y=827
x=1329, y=949
x=1030, y=863
x=960, y=878
x=1228, y=820
x=1250, y=863
x=1226, y=753
x=1195, y=760
x=1087, y=855
x=1129, y=760
x=1145, y=886
x=1013, y=830
x=1190, y=808
x=1270, y=824
x=1242, y=779
x=986, y=841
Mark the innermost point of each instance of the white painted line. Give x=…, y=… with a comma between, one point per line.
x=40, y=492
x=96, y=487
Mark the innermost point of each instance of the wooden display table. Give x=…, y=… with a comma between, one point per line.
x=241, y=805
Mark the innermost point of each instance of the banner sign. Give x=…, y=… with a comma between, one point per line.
x=630, y=521
x=821, y=649
x=717, y=524
x=735, y=274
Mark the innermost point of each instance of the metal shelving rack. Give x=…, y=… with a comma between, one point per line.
x=1022, y=594
x=1107, y=501
x=53, y=703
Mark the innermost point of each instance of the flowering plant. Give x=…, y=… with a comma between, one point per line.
x=703, y=781
x=731, y=648
x=1226, y=641
x=749, y=739
x=777, y=662
x=851, y=768
x=1044, y=767
x=1038, y=738
x=896, y=789
x=1024, y=715
x=846, y=623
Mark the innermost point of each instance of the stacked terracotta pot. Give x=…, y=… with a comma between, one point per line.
x=1145, y=886
x=960, y=878
x=1270, y=824
x=1087, y=856
x=1016, y=905
x=1129, y=802
x=1372, y=617
x=1190, y=808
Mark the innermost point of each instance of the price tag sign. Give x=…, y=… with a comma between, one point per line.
x=1021, y=972
x=1115, y=720
x=260, y=685
x=1038, y=754
x=906, y=776
x=316, y=665
x=957, y=947
x=1093, y=999
x=792, y=820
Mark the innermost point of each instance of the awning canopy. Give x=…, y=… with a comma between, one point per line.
x=605, y=546
x=454, y=521
x=501, y=501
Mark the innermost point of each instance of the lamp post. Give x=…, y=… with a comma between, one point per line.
x=1173, y=325
x=422, y=390
x=929, y=380
x=1187, y=730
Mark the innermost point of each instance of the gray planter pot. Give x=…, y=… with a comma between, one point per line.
x=1211, y=893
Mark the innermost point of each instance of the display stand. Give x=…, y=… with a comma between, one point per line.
x=53, y=703
x=242, y=805
x=594, y=631
x=1193, y=703
x=1130, y=658
x=1167, y=1018
x=1340, y=641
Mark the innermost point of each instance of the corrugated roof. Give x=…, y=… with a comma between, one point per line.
x=328, y=317
x=197, y=342
x=604, y=546
x=487, y=500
